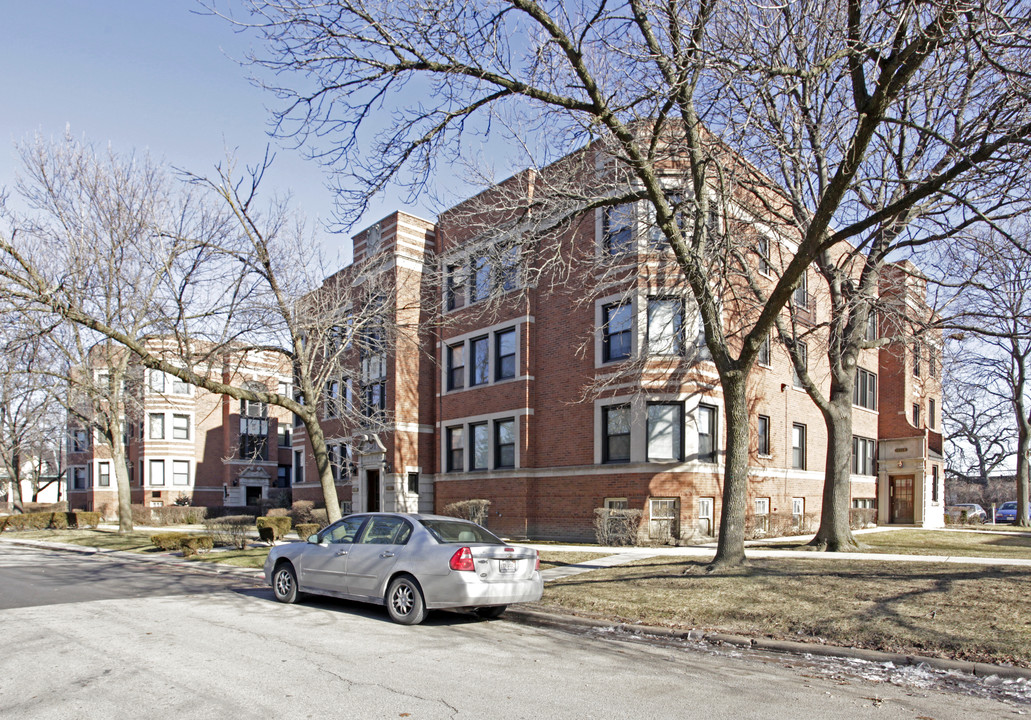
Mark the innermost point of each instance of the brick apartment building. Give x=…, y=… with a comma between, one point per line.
x=184, y=443
x=484, y=396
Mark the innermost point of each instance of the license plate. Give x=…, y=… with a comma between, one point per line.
x=508, y=566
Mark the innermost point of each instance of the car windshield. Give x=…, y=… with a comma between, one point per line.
x=1008, y=506
x=459, y=531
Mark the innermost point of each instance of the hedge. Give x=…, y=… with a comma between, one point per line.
x=271, y=529
x=306, y=529
x=84, y=519
x=195, y=543
x=38, y=521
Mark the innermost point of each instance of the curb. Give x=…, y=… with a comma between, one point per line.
x=568, y=622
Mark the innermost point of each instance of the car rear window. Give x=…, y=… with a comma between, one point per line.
x=457, y=531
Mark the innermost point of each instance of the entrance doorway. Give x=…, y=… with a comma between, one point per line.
x=252, y=494
x=372, y=491
x=901, y=494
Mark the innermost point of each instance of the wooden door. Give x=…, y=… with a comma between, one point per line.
x=901, y=488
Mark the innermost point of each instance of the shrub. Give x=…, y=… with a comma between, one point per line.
x=83, y=519
x=141, y=515
x=779, y=525
x=301, y=512
x=614, y=526
x=859, y=518
x=271, y=529
x=38, y=521
x=320, y=516
x=231, y=530
x=168, y=541
x=178, y=515
x=278, y=512
x=193, y=544
x=474, y=510
x=305, y=529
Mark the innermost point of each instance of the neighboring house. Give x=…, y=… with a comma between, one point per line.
x=189, y=445
x=501, y=414
x=49, y=485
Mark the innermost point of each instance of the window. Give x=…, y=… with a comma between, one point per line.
x=285, y=436
x=617, y=228
x=871, y=325
x=157, y=426
x=504, y=443
x=665, y=326
x=455, y=449
x=932, y=363
x=705, y=516
x=664, y=518
x=665, y=431
x=508, y=269
x=157, y=381
x=456, y=367
x=79, y=478
x=798, y=446
x=763, y=444
x=253, y=438
x=864, y=503
x=931, y=413
x=332, y=406
x=934, y=483
x=79, y=440
x=298, y=467
x=413, y=483
x=479, y=359
x=334, y=452
x=615, y=421
x=283, y=476
x=916, y=359
x=180, y=387
x=916, y=415
x=455, y=287
x=375, y=398
x=862, y=456
x=675, y=199
x=762, y=249
x=104, y=474
x=798, y=512
x=180, y=472
x=803, y=356
x=505, y=350
x=157, y=472
x=180, y=427
x=801, y=295
x=766, y=352
x=864, y=389
x=707, y=433
x=762, y=515
x=616, y=332
x=479, y=450
x=481, y=278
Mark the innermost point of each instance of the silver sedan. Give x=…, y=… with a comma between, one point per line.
x=410, y=563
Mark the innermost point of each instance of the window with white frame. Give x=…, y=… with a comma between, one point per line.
x=663, y=518
x=104, y=474
x=615, y=422
x=862, y=455
x=864, y=389
x=932, y=413
x=617, y=325
x=665, y=326
x=762, y=515
x=180, y=472
x=803, y=357
x=665, y=431
x=157, y=472
x=798, y=512
x=916, y=414
x=675, y=199
x=766, y=352
x=180, y=427
x=705, y=516
x=707, y=428
x=801, y=294
x=181, y=387
x=763, y=436
x=413, y=483
x=798, y=450
x=617, y=228
x=934, y=484
x=157, y=381
x=157, y=426
x=864, y=503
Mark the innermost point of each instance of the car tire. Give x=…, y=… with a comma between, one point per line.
x=491, y=613
x=404, y=601
x=284, y=583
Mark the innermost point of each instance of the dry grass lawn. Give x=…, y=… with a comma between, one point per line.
x=937, y=542
x=103, y=539
x=964, y=612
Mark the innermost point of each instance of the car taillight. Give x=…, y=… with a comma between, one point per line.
x=462, y=560
x=538, y=565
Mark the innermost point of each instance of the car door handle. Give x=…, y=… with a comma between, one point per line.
x=387, y=554
x=342, y=552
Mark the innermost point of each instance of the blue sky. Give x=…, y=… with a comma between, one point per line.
x=146, y=75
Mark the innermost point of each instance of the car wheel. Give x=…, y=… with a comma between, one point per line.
x=404, y=601
x=284, y=583
x=491, y=613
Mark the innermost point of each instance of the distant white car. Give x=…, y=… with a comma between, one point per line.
x=410, y=563
x=974, y=512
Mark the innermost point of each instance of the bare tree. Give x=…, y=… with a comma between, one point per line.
x=779, y=116
x=202, y=268
x=994, y=306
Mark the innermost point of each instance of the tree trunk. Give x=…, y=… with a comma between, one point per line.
x=834, y=534
x=730, y=550
x=114, y=441
x=1023, y=466
x=322, y=464
x=16, y=498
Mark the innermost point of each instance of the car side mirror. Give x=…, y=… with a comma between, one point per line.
x=313, y=539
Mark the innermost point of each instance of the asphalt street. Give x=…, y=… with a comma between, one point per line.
x=96, y=637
